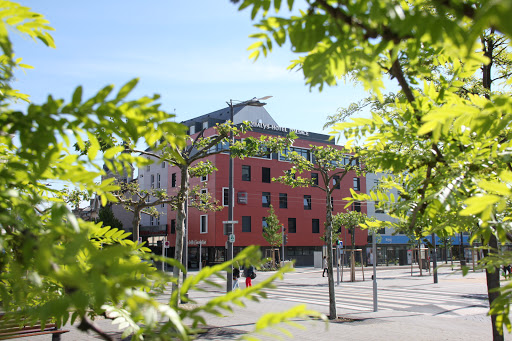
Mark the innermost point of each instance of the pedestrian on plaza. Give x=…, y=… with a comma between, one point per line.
x=236, y=276
x=507, y=268
x=370, y=257
x=249, y=274
x=326, y=269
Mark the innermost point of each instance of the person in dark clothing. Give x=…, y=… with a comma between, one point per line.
x=249, y=274
x=507, y=268
x=236, y=276
x=326, y=269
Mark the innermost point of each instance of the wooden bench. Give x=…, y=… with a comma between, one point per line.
x=12, y=329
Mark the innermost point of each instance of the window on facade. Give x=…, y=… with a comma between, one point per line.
x=335, y=180
x=157, y=220
x=152, y=180
x=204, y=191
x=204, y=224
x=151, y=220
x=204, y=178
x=307, y=202
x=163, y=164
x=173, y=226
x=315, y=226
x=265, y=175
x=148, y=168
x=314, y=177
x=305, y=153
x=377, y=208
x=289, y=171
x=283, y=155
x=246, y=224
x=349, y=160
x=163, y=205
x=221, y=146
x=246, y=173
x=265, y=199
x=225, y=196
x=357, y=184
x=302, y=152
x=283, y=200
x=192, y=130
x=158, y=181
x=205, y=125
x=357, y=206
x=264, y=224
x=267, y=155
x=292, y=225
x=173, y=180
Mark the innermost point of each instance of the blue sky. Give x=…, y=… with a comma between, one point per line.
x=193, y=53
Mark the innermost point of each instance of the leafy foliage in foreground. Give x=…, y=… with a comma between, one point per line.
x=445, y=137
x=54, y=266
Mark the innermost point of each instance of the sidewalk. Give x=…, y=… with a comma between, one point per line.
x=461, y=323
x=423, y=321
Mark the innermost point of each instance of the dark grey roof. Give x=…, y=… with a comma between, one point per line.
x=223, y=115
x=219, y=115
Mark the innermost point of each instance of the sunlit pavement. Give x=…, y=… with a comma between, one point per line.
x=409, y=307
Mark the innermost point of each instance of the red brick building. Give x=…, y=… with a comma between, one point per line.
x=302, y=211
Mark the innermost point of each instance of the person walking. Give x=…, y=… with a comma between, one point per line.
x=249, y=275
x=326, y=269
x=236, y=276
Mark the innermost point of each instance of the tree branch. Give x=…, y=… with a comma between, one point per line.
x=396, y=71
x=384, y=32
x=86, y=325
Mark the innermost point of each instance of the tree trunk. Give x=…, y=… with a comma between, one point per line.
x=353, y=255
x=180, y=226
x=330, y=275
x=493, y=279
x=493, y=284
x=352, y=267
x=136, y=223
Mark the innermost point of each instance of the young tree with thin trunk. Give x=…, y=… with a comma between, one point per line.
x=192, y=161
x=446, y=134
x=332, y=165
x=57, y=267
x=273, y=232
x=350, y=220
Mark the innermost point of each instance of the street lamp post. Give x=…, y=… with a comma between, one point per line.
x=255, y=102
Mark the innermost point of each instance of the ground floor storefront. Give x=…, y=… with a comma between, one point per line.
x=391, y=250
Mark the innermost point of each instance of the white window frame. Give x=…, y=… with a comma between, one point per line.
x=357, y=181
x=205, y=125
x=204, y=178
x=224, y=189
x=203, y=229
x=174, y=179
x=204, y=191
x=192, y=129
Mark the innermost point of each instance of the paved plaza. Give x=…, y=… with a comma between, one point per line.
x=409, y=307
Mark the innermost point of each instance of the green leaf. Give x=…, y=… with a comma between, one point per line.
x=126, y=89
x=478, y=204
x=77, y=97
